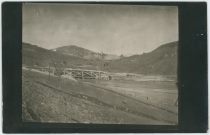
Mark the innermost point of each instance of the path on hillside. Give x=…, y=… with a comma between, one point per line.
x=140, y=101
x=101, y=103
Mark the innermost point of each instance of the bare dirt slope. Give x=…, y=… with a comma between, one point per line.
x=52, y=100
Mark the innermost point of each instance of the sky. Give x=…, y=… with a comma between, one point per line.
x=114, y=29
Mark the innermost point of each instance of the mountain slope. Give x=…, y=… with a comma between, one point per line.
x=84, y=53
x=162, y=60
x=33, y=55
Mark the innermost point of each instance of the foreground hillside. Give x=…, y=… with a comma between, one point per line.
x=48, y=99
x=162, y=60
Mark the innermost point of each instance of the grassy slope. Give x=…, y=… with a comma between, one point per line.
x=78, y=102
x=162, y=60
x=83, y=53
x=34, y=55
x=76, y=51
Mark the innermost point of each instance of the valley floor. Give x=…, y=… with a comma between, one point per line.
x=50, y=99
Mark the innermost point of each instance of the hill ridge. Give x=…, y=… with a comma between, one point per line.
x=162, y=60
x=85, y=53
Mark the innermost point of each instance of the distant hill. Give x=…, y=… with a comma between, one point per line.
x=162, y=60
x=84, y=53
x=33, y=55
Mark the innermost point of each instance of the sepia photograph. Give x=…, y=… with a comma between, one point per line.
x=100, y=63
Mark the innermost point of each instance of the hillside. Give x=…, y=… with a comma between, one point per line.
x=76, y=51
x=33, y=55
x=47, y=99
x=162, y=60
